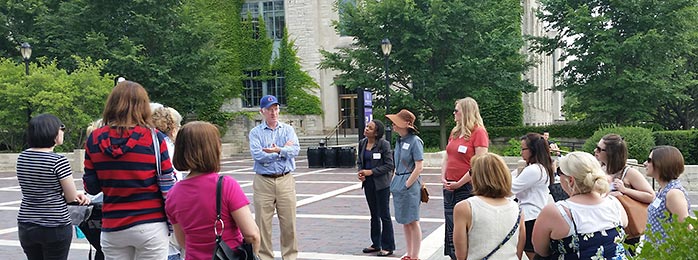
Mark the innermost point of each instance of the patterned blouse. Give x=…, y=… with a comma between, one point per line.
x=604, y=244
x=657, y=211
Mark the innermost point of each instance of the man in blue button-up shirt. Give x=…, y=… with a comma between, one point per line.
x=274, y=147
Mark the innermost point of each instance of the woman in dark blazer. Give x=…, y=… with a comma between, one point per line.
x=375, y=171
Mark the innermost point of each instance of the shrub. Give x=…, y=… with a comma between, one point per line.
x=639, y=140
x=513, y=149
x=680, y=241
x=684, y=140
x=581, y=131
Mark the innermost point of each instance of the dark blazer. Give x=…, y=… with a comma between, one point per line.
x=382, y=168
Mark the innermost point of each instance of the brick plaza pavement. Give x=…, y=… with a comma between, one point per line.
x=332, y=215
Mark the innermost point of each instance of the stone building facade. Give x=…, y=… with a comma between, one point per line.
x=309, y=23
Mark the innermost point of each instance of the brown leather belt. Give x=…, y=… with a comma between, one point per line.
x=276, y=175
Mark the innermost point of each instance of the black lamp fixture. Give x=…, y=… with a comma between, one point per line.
x=26, y=51
x=386, y=46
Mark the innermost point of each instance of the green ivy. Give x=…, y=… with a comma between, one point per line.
x=298, y=82
x=679, y=243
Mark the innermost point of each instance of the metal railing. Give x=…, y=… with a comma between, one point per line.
x=335, y=132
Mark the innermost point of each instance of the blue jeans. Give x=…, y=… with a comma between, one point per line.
x=381, y=224
x=40, y=243
x=451, y=198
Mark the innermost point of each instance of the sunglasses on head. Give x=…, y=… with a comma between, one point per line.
x=62, y=127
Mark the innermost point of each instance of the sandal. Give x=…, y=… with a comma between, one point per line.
x=370, y=249
x=385, y=253
x=405, y=258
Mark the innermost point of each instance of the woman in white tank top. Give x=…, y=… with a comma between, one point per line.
x=494, y=222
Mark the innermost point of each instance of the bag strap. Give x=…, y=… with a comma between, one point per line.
x=511, y=233
x=625, y=171
x=156, y=148
x=219, y=188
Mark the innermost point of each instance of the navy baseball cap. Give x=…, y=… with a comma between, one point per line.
x=267, y=101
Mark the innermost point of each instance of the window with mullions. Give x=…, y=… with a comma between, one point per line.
x=255, y=89
x=272, y=13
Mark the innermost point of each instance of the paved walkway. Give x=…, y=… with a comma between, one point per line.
x=332, y=216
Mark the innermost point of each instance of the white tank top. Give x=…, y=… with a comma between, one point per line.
x=490, y=225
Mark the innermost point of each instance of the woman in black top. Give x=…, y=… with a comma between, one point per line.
x=47, y=185
x=375, y=171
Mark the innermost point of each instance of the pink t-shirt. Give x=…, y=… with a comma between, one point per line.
x=191, y=203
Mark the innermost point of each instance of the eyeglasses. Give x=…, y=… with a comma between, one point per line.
x=649, y=160
x=524, y=149
x=62, y=127
x=456, y=111
x=600, y=149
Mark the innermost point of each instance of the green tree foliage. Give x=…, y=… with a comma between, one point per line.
x=442, y=51
x=76, y=98
x=639, y=140
x=680, y=241
x=175, y=49
x=625, y=58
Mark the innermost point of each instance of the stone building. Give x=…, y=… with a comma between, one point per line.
x=309, y=23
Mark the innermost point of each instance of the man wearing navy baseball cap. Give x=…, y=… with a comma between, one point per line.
x=274, y=146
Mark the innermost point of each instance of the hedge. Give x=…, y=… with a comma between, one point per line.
x=684, y=140
x=639, y=141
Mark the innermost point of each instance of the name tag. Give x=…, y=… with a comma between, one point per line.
x=656, y=203
x=462, y=148
x=376, y=156
x=405, y=146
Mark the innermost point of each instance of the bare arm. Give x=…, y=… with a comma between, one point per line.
x=243, y=219
x=71, y=194
x=543, y=229
x=443, y=169
x=418, y=168
x=179, y=235
x=462, y=218
x=522, y=236
x=641, y=189
x=676, y=204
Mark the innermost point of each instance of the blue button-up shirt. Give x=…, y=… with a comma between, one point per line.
x=262, y=136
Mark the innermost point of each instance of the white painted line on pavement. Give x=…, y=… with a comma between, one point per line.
x=10, y=208
x=10, y=202
x=9, y=178
x=327, y=195
x=433, y=242
x=11, y=188
x=8, y=230
x=359, y=217
x=78, y=246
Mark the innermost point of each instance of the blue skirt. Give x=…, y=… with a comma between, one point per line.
x=406, y=200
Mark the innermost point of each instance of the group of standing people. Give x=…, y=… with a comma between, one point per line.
x=145, y=214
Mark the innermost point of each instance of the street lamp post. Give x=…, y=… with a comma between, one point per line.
x=387, y=47
x=26, y=51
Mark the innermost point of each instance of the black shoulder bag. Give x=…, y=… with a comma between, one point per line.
x=223, y=251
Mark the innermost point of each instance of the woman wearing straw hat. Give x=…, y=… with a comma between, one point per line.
x=406, y=184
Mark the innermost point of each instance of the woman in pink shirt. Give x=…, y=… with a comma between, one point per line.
x=191, y=204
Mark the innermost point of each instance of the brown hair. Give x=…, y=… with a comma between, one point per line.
x=198, y=148
x=491, y=177
x=616, y=153
x=540, y=152
x=668, y=161
x=128, y=105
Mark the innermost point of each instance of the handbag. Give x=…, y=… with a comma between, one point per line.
x=636, y=211
x=222, y=250
x=79, y=213
x=425, y=194
x=509, y=235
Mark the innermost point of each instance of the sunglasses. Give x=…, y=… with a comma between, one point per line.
x=600, y=149
x=524, y=149
x=649, y=160
x=62, y=127
x=456, y=111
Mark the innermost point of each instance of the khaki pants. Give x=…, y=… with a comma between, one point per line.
x=276, y=194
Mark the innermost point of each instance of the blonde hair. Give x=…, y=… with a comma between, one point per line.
x=469, y=118
x=166, y=119
x=586, y=171
x=491, y=177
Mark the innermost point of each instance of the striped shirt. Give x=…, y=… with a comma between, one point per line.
x=39, y=175
x=123, y=167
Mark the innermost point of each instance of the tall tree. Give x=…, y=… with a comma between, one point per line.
x=624, y=58
x=442, y=50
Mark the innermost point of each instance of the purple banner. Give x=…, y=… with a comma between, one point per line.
x=368, y=99
x=368, y=115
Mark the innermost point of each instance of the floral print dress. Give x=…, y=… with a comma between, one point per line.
x=604, y=244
